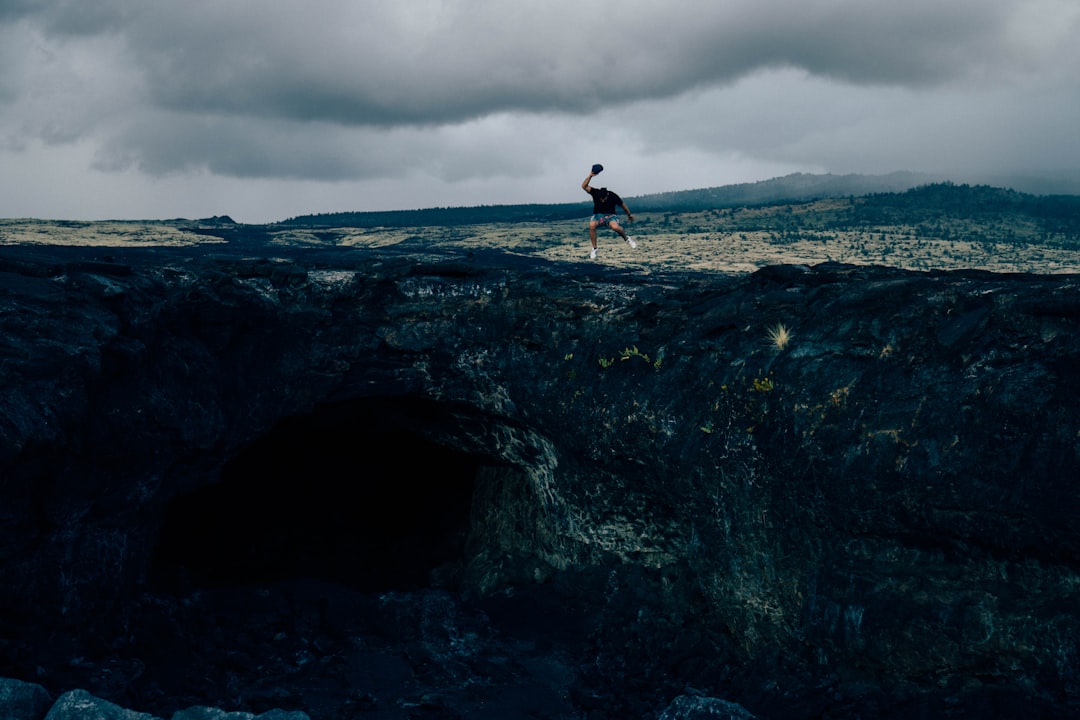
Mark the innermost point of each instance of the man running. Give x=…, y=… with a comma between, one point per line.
x=605, y=203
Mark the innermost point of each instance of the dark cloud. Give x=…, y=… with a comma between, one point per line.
x=71, y=17
x=384, y=63
x=161, y=144
x=469, y=92
x=14, y=9
x=444, y=62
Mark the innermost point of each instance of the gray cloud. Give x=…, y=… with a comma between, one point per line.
x=381, y=63
x=459, y=92
x=435, y=62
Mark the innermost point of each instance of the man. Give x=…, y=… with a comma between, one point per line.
x=605, y=203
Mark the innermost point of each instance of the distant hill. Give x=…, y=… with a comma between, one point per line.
x=795, y=188
x=790, y=188
x=798, y=187
x=1051, y=214
x=442, y=216
x=1048, y=183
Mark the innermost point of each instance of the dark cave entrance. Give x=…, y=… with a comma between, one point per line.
x=352, y=493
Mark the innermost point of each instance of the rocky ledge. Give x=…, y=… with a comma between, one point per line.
x=386, y=484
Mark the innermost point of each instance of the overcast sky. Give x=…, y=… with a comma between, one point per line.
x=268, y=109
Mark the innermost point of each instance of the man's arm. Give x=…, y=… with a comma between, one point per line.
x=629, y=215
x=585, y=184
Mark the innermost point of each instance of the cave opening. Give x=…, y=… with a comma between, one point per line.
x=354, y=492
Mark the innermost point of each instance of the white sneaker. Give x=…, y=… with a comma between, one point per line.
x=592, y=255
x=630, y=240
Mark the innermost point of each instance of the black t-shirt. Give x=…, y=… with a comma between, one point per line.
x=605, y=206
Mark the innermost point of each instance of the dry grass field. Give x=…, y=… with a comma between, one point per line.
x=100, y=234
x=726, y=241
x=706, y=241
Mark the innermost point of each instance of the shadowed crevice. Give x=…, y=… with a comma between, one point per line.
x=350, y=493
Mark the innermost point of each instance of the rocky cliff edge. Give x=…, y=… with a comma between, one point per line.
x=828, y=490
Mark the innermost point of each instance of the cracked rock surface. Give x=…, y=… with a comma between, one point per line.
x=391, y=484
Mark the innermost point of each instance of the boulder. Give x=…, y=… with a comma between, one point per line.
x=81, y=705
x=692, y=707
x=21, y=700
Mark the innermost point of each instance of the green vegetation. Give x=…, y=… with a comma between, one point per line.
x=791, y=210
x=795, y=220
x=763, y=385
x=632, y=352
x=941, y=211
x=444, y=216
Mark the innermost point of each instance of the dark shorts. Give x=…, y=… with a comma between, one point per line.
x=601, y=219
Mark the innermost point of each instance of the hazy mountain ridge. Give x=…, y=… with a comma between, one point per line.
x=937, y=226
x=797, y=187
x=1054, y=214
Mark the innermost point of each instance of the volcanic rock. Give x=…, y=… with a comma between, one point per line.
x=393, y=484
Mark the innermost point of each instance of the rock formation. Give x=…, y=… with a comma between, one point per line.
x=341, y=481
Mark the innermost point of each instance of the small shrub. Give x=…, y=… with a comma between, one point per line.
x=779, y=336
x=763, y=385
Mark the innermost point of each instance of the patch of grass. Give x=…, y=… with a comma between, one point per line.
x=763, y=385
x=633, y=352
x=779, y=336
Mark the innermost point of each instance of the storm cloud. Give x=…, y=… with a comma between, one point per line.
x=479, y=101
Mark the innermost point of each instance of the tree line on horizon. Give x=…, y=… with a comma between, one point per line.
x=797, y=187
x=1055, y=215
